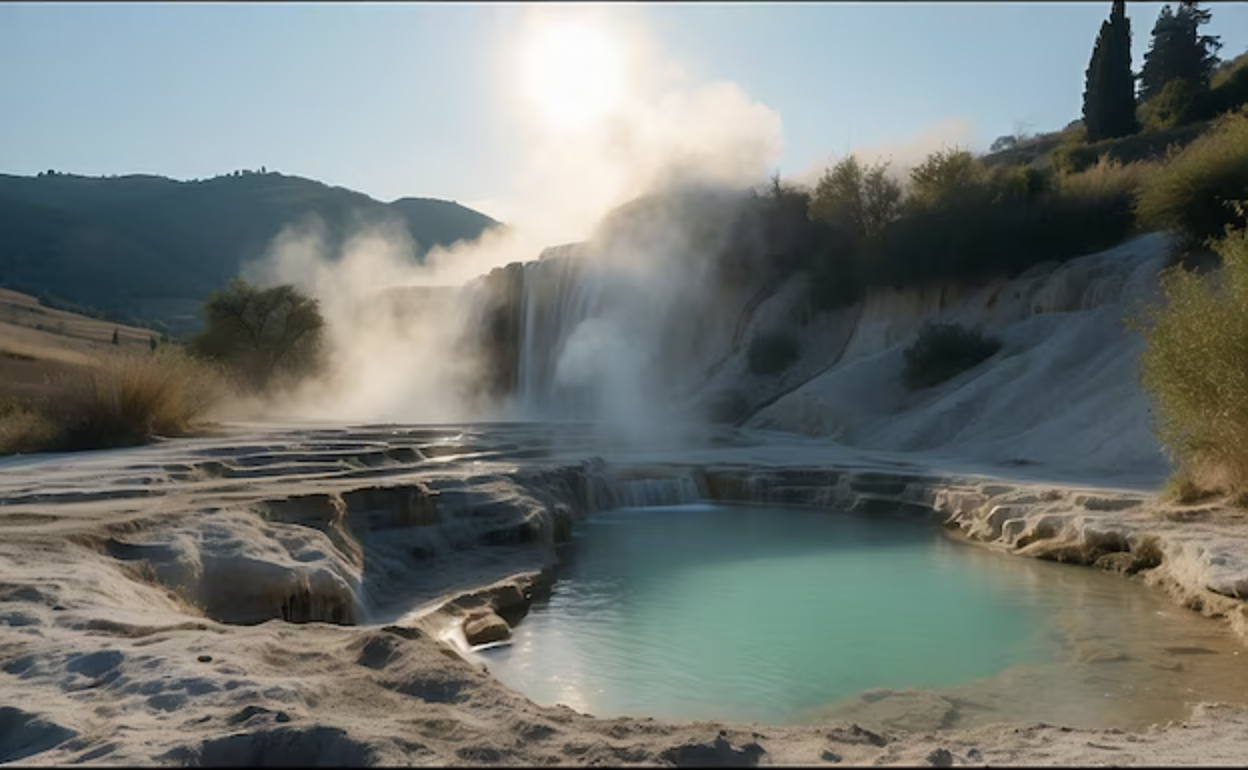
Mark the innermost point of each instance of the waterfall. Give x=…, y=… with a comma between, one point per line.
x=557, y=293
x=598, y=340
x=642, y=493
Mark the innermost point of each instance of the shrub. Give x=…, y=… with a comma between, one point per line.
x=858, y=198
x=942, y=351
x=24, y=428
x=1230, y=85
x=1192, y=192
x=944, y=177
x=1007, y=222
x=1195, y=367
x=772, y=353
x=1180, y=102
x=132, y=397
x=1073, y=157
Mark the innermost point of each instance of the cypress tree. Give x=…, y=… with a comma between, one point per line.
x=1178, y=52
x=1109, y=93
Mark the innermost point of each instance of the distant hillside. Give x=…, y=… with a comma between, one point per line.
x=151, y=248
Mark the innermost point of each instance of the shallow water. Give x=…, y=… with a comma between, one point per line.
x=783, y=615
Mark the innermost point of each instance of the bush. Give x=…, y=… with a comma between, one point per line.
x=1192, y=193
x=1010, y=220
x=772, y=353
x=132, y=397
x=1179, y=103
x=855, y=197
x=1230, y=85
x=945, y=176
x=1073, y=157
x=125, y=399
x=24, y=428
x=943, y=351
x=1195, y=367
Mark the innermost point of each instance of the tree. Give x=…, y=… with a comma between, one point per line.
x=857, y=197
x=943, y=176
x=1109, y=91
x=1178, y=52
x=116, y=338
x=262, y=333
x=1003, y=143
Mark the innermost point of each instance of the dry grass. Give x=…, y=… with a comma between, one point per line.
x=1106, y=179
x=20, y=347
x=125, y=399
x=23, y=310
x=25, y=428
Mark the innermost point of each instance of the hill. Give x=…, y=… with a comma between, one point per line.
x=151, y=248
x=39, y=345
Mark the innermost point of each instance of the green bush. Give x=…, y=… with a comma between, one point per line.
x=1010, y=220
x=772, y=353
x=1195, y=367
x=944, y=176
x=1192, y=192
x=1232, y=93
x=1179, y=103
x=1073, y=157
x=942, y=351
x=855, y=197
x=262, y=335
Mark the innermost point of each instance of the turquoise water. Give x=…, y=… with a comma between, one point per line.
x=771, y=614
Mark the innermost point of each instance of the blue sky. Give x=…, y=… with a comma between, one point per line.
x=409, y=99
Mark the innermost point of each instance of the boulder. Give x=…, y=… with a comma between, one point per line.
x=485, y=627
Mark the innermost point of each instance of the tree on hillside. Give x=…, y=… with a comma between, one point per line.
x=116, y=338
x=262, y=333
x=857, y=197
x=1003, y=143
x=1178, y=51
x=944, y=176
x=1109, y=93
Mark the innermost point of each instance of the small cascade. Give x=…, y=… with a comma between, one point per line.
x=644, y=493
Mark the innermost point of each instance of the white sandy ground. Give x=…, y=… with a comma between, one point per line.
x=118, y=568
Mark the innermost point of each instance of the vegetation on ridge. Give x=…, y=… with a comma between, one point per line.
x=147, y=247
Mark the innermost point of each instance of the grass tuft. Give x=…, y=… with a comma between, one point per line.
x=126, y=399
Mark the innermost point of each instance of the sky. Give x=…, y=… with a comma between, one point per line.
x=428, y=100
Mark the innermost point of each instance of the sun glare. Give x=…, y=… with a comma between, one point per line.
x=573, y=72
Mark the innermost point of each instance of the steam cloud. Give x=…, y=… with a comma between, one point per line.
x=387, y=368
x=901, y=156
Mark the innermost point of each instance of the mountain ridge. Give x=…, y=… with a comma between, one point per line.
x=150, y=248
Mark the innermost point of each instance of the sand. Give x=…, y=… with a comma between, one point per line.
x=145, y=594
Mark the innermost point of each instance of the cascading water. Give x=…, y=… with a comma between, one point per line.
x=622, y=328
x=556, y=294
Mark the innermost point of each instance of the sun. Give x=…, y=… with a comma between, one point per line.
x=572, y=70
